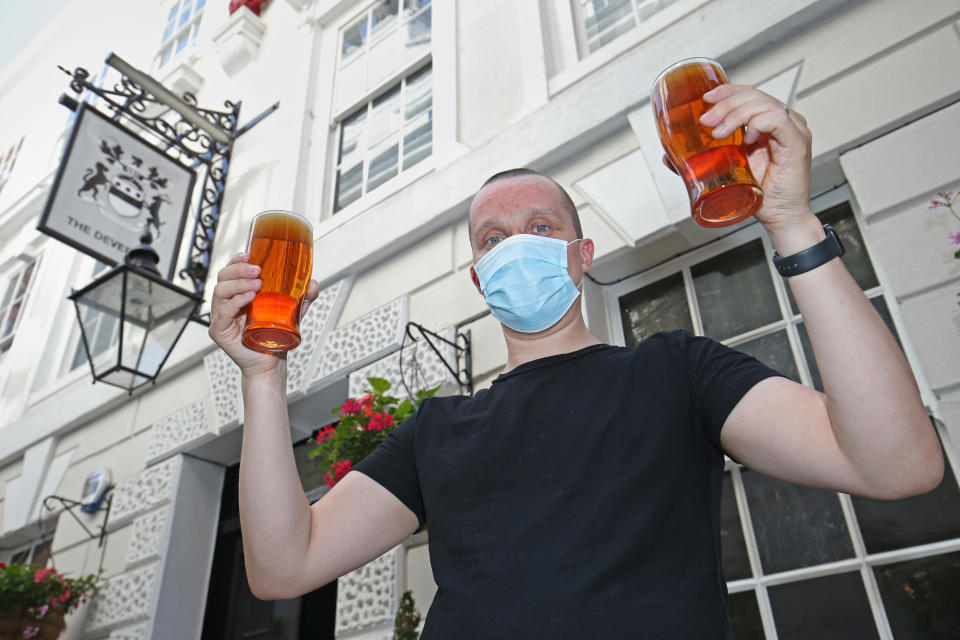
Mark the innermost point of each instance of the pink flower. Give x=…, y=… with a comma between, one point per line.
x=30, y=632
x=934, y=204
x=955, y=237
x=43, y=611
x=41, y=574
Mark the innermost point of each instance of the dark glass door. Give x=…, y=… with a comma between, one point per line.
x=233, y=612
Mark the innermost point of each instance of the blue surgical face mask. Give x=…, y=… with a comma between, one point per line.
x=525, y=282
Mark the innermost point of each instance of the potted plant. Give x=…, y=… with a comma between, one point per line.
x=364, y=423
x=34, y=600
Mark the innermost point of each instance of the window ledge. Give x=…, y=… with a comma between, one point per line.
x=238, y=41
x=590, y=62
x=183, y=78
x=368, y=200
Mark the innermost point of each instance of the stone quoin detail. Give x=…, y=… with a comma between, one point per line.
x=176, y=431
x=149, y=489
x=370, y=595
x=148, y=541
x=314, y=329
x=224, y=378
x=124, y=599
x=363, y=341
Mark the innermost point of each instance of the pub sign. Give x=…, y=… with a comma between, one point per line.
x=110, y=185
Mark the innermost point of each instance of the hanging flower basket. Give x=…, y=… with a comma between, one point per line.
x=34, y=600
x=18, y=625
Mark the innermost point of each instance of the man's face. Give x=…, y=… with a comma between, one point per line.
x=525, y=204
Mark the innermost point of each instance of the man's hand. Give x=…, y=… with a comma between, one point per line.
x=778, y=147
x=237, y=284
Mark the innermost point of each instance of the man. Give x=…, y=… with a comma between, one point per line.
x=580, y=493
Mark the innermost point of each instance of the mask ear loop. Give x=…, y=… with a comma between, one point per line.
x=581, y=279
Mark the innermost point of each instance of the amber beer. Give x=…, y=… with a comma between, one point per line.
x=722, y=189
x=281, y=243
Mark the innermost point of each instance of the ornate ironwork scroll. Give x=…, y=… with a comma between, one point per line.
x=129, y=102
x=461, y=349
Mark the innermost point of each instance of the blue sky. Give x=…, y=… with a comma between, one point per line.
x=20, y=21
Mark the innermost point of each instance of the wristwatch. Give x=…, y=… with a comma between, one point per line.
x=808, y=259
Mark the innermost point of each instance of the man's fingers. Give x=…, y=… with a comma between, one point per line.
x=229, y=288
x=237, y=270
x=313, y=290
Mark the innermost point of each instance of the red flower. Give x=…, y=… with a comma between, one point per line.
x=380, y=421
x=65, y=596
x=339, y=469
x=326, y=433
x=350, y=407
x=41, y=574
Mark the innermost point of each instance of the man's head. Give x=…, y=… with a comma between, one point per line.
x=522, y=202
x=523, y=179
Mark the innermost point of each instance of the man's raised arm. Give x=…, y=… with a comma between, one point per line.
x=869, y=433
x=291, y=548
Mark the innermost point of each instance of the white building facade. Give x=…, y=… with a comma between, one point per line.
x=392, y=113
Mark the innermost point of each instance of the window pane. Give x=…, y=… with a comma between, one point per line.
x=419, y=95
x=171, y=20
x=418, y=29
x=745, y=616
x=855, y=257
x=8, y=293
x=348, y=186
x=418, y=144
x=353, y=37
x=184, y=13
x=794, y=526
x=736, y=564
x=384, y=118
x=412, y=6
x=200, y=5
x=604, y=20
x=383, y=15
x=649, y=8
x=921, y=596
x=20, y=557
x=382, y=167
x=892, y=524
x=351, y=151
x=182, y=42
x=828, y=608
x=11, y=321
x=773, y=350
x=25, y=280
x=661, y=306
x=735, y=292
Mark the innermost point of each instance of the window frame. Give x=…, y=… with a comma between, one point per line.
x=12, y=279
x=368, y=41
x=168, y=52
x=861, y=561
x=367, y=104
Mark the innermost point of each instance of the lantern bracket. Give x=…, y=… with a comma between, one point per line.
x=461, y=349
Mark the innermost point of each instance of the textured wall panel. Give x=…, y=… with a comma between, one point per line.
x=177, y=431
x=422, y=368
x=370, y=595
x=149, y=537
x=123, y=600
x=224, y=378
x=314, y=329
x=362, y=341
x=149, y=489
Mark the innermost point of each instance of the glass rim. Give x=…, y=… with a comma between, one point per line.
x=293, y=214
x=684, y=62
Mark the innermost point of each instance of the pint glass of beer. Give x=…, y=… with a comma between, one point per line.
x=722, y=189
x=281, y=243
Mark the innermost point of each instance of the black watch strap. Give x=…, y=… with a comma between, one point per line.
x=808, y=259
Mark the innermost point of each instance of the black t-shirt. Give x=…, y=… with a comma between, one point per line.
x=578, y=496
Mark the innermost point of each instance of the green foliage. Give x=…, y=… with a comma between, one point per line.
x=405, y=624
x=42, y=591
x=364, y=423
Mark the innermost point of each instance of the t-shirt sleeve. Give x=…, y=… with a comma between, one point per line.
x=720, y=377
x=393, y=465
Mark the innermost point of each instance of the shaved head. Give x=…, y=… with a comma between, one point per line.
x=565, y=200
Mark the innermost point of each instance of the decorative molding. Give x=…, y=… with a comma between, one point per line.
x=370, y=595
x=238, y=41
x=362, y=341
x=138, y=632
x=124, y=599
x=183, y=78
x=418, y=353
x=145, y=491
x=150, y=533
x=177, y=431
x=314, y=329
x=223, y=375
